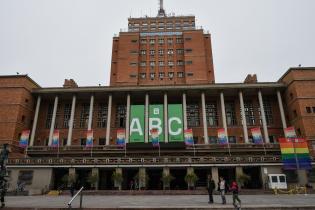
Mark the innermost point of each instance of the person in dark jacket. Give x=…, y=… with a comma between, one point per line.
x=234, y=189
x=210, y=188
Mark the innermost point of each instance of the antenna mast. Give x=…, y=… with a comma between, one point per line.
x=161, y=10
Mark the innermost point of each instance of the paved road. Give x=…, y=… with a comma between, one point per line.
x=181, y=201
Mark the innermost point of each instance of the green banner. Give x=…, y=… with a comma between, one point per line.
x=156, y=120
x=136, y=123
x=175, y=123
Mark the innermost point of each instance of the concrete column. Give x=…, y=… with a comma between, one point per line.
x=284, y=123
x=245, y=133
x=72, y=175
x=215, y=174
x=69, y=139
x=165, y=118
x=95, y=171
x=146, y=127
x=263, y=117
x=223, y=113
x=91, y=113
x=116, y=184
x=185, y=111
x=109, y=114
x=302, y=177
x=53, y=120
x=35, y=121
x=142, y=178
x=239, y=171
x=204, y=118
x=127, y=118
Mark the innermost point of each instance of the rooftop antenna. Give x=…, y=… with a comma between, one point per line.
x=161, y=10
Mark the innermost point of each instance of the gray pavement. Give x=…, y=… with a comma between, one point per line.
x=165, y=201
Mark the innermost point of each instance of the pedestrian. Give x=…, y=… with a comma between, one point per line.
x=210, y=188
x=72, y=189
x=235, y=190
x=222, y=188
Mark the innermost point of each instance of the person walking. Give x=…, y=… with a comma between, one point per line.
x=235, y=190
x=222, y=189
x=72, y=189
x=210, y=188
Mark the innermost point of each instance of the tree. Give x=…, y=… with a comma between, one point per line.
x=117, y=178
x=191, y=178
x=243, y=179
x=167, y=179
x=93, y=180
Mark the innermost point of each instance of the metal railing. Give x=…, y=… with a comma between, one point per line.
x=74, y=197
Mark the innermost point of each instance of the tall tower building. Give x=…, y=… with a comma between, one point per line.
x=162, y=50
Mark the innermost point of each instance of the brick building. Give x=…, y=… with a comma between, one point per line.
x=162, y=76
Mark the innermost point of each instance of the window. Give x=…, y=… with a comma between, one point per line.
x=188, y=50
x=142, y=75
x=213, y=140
x=134, y=52
x=143, y=63
x=152, y=52
x=64, y=142
x=193, y=119
x=180, y=63
x=170, y=51
x=170, y=41
x=102, y=115
x=66, y=115
x=180, y=51
x=161, y=41
x=179, y=40
x=171, y=74
x=121, y=116
x=180, y=74
x=152, y=75
x=170, y=63
x=161, y=75
x=249, y=113
x=161, y=63
x=161, y=23
x=84, y=116
x=212, y=114
x=143, y=52
x=161, y=52
x=268, y=113
x=143, y=41
x=232, y=139
x=134, y=41
x=308, y=109
x=189, y=62
x=188, y=38
x=294, y=113
x=133, y=64
x=82, y=141
x=313, y=109
x=49, y=115
x=230, y=114
x=152, y=63
x=101, y=141
x=152, y=41
x=189, y=74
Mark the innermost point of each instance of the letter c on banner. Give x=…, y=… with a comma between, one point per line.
x=170, y=121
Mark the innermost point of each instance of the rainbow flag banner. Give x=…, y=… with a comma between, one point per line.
x=55, y=139
x=121, y=133
x=222, y=138
x=24, y=139
x=189, y=140
x=257, y=137
x=295, y=154
x=290, y=132
x=155, y=137
x=89, y=139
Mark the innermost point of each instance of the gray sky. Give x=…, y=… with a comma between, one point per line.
x=56, y=39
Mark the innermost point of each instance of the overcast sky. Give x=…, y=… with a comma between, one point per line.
x=51, y=40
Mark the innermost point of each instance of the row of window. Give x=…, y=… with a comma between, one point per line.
x=193, y=112
x=162, y=52
x=153, y=28
x=310, y=109
x=162, y=23
x=162, y=41
x=162, y=75
x=162, y=63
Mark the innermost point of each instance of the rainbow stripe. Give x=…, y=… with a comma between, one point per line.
x=295, y=152
x=89, y=139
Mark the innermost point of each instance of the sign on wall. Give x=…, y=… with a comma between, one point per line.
x=175, y=123
x=136, y=123
x=156, y=121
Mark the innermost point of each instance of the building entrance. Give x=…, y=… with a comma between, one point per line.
x=228, y=173
x=82, y=177
x=202, y=174
x=179, y=179
x=60, y=178
x=130, y=182
x=155, y=176
x=255, y=177
x=105, y=182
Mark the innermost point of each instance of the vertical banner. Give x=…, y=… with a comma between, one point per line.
x=303, y=154
x=24, y=139
x=175, y=123
x=156, y=120
x=257, y=136
x=121, y=137
x=55, y=139
x=290, y=132
x=288, y=155
x=136, y=123
x=189, y=140
x=222, y=138
x=154, y=133
x=89, y=139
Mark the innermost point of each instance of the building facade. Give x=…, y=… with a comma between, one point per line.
x=162, y=77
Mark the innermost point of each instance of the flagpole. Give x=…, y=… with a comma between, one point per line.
x=159, y=150
x=125, y=149
x=194, y=149
x=25, y=152
x=58, y=150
